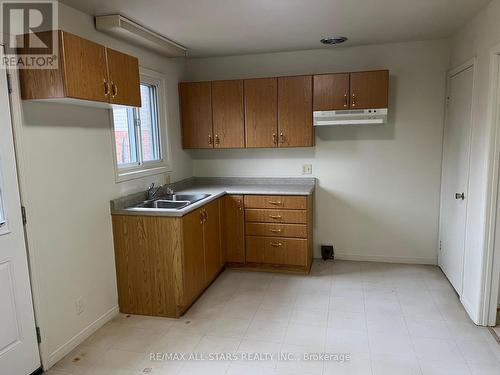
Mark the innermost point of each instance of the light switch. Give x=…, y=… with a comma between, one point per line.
x=307, y=169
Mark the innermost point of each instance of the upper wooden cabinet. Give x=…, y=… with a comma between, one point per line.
x=369, y=89
x=122, y=80
x=227, y=112
x=331, y=92
x=360, y=90
x=261, y=112
x=272, y=112
x=196, y=114
x=86, y=71
x=295, y=112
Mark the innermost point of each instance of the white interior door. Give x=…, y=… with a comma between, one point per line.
x=18, y=344
x=455, y=178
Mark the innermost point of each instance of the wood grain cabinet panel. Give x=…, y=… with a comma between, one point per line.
x=276, y=216
x=211, y=239
x=196, y=114
x=193, y=265
x=228, y=115
x=233, y=228
x=331, y=92
x=84, y=73
x=279, y=251
x=276, y=230
x=124, y=78
x=261, y=112
x=288, y=202
x=369, y=89
x=295, y=124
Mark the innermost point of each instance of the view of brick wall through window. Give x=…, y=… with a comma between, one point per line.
x=125, y=137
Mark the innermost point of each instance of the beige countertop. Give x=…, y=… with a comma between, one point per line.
x=216, y=187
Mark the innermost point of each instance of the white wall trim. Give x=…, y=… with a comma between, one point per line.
x=470, y=310
x=66, y=348
x=386, y=259
x=490, y=273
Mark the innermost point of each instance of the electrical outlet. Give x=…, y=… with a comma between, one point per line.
x=79, y=306
x=307, y=169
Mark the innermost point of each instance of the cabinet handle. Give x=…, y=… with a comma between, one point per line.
x=206, y=214
x=217, y=140
x=114, y=89
x=210, y=141
x=282, y=138
x=346, y=101
x=106, y=88
x=275, y=203
x=275, y=230
x=353, y=104
x=276, y=244
x=275, y=216
x=202, y=217
x=275, y=139
x=240, y=205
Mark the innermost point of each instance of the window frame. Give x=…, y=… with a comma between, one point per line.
x=136, y=170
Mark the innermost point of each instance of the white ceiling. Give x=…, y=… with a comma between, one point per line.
x=228, y=27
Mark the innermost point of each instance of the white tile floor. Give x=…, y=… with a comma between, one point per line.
x=392, y=319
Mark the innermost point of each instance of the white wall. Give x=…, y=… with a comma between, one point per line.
x=67, y=177
x=379, y=186
x=475, y=40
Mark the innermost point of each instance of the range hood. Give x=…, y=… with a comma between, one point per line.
x=350, y=117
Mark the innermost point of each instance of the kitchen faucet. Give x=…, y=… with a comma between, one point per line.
x=152, y=190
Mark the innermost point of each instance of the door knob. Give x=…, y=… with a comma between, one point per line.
x=460, y=196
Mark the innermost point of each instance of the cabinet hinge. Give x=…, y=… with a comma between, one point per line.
x=38, y=335
x=23, y=214
x=9, y=83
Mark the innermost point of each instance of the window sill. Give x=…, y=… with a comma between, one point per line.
x=126, y=175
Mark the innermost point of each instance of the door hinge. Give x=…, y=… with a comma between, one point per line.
x=23, y=214
x=9, y=83
x=38, y=335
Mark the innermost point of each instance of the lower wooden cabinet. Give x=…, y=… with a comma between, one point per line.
x=233, y=229
x=277, y=233
x=164, y=263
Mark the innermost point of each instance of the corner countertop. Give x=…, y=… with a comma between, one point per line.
x=216, y=187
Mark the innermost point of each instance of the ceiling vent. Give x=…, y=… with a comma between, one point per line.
x=132, y=32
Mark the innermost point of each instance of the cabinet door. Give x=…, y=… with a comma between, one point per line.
x=261, y=112
x=370, y=89
x=227, y=109
x=211, y=234
x=193, y=258
x=85, y=69
x=233, y=228
x=295, y=111
x=196, y=114
x=331, y=92
x=124, y=78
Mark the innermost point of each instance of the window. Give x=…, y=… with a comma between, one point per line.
x=138, y=132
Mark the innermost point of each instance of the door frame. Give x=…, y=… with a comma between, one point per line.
x=17, y=125
x=450, y=74
x=490, y=273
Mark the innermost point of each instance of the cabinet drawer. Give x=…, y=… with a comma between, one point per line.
x=287, y=202
x=276, y=216
x=271, y=250
x=276, y=230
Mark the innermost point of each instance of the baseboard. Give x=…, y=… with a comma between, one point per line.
x=66, y=348
x=386, y=259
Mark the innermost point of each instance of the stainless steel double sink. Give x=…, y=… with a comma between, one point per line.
x=171, y=202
